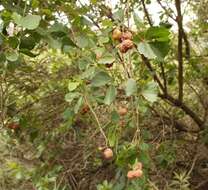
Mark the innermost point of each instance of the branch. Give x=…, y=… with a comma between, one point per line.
x=166, y=11
x=184, y=34
x=170, y=99
x=187, y=44
x=146, y=13
x=180, y=49
x=184, y=107
x=96, y=119
x=164, y=77
x=155, y=76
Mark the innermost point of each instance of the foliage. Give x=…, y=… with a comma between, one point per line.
x=69, y=89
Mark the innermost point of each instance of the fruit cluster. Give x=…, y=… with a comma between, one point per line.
x=125, y=39
x=136, y=172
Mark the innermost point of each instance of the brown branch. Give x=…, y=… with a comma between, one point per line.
x=187, y=45
x=164, y=77
x=184, y=107
x=146, y=13
x=155, y=76
x=185, y=38
x=166, y=11
x=180, y=49
x=123, y=64
x=170, y=99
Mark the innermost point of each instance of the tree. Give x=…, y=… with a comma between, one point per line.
x=68, y=64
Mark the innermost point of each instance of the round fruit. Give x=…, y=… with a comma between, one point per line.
x=116, y=34
x=138, y=166
x=130, y=175
x=85, y=109
x=122, y=48
x=126, y=36
x=108, y=153
x=138, y=173
x=122, y=111
x=126, y=45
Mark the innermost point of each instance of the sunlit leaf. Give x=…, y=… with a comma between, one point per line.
x=110, y=95
x=131, y=87
x=100, y=79
x=150, y=92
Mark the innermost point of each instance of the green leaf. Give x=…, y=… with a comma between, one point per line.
x=160, y=49
x=68, y=114
x=150, y=92
x=82, y=41
x=115, y=116
x=54, y=43
x=100, y=79
x=58, y=28
x=110, y=95
x=103, y=39
x=30, y=22
x=17, y=18
x=2, y=58
x=78, y=105
x=71, y=96
x=142, y=105
x=145, y=49
x=73, y=85
x=83, y=63
x=88, y=73
x=106, y=59
x=12, y=56
x=144, y=146
x=28, y=53
x=154, y=50
x=156, y=33
x=13, y=42
x=66, y=41
x=112, y=135
x=27, y=42
x=131, y=87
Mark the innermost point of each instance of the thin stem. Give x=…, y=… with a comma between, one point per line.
x=96, y=119
x=164, y=77
x=121, y=58
x=166, y=11
x=155, y=76
x=146, y=13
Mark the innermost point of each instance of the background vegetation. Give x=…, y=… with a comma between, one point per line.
x=80, y=78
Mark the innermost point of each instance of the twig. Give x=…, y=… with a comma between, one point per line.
x=155, y=76
x=153, y=185
x=96, y=119
x=146, y=13
x=166, y=11
x=164, y=77
x=193, y=164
